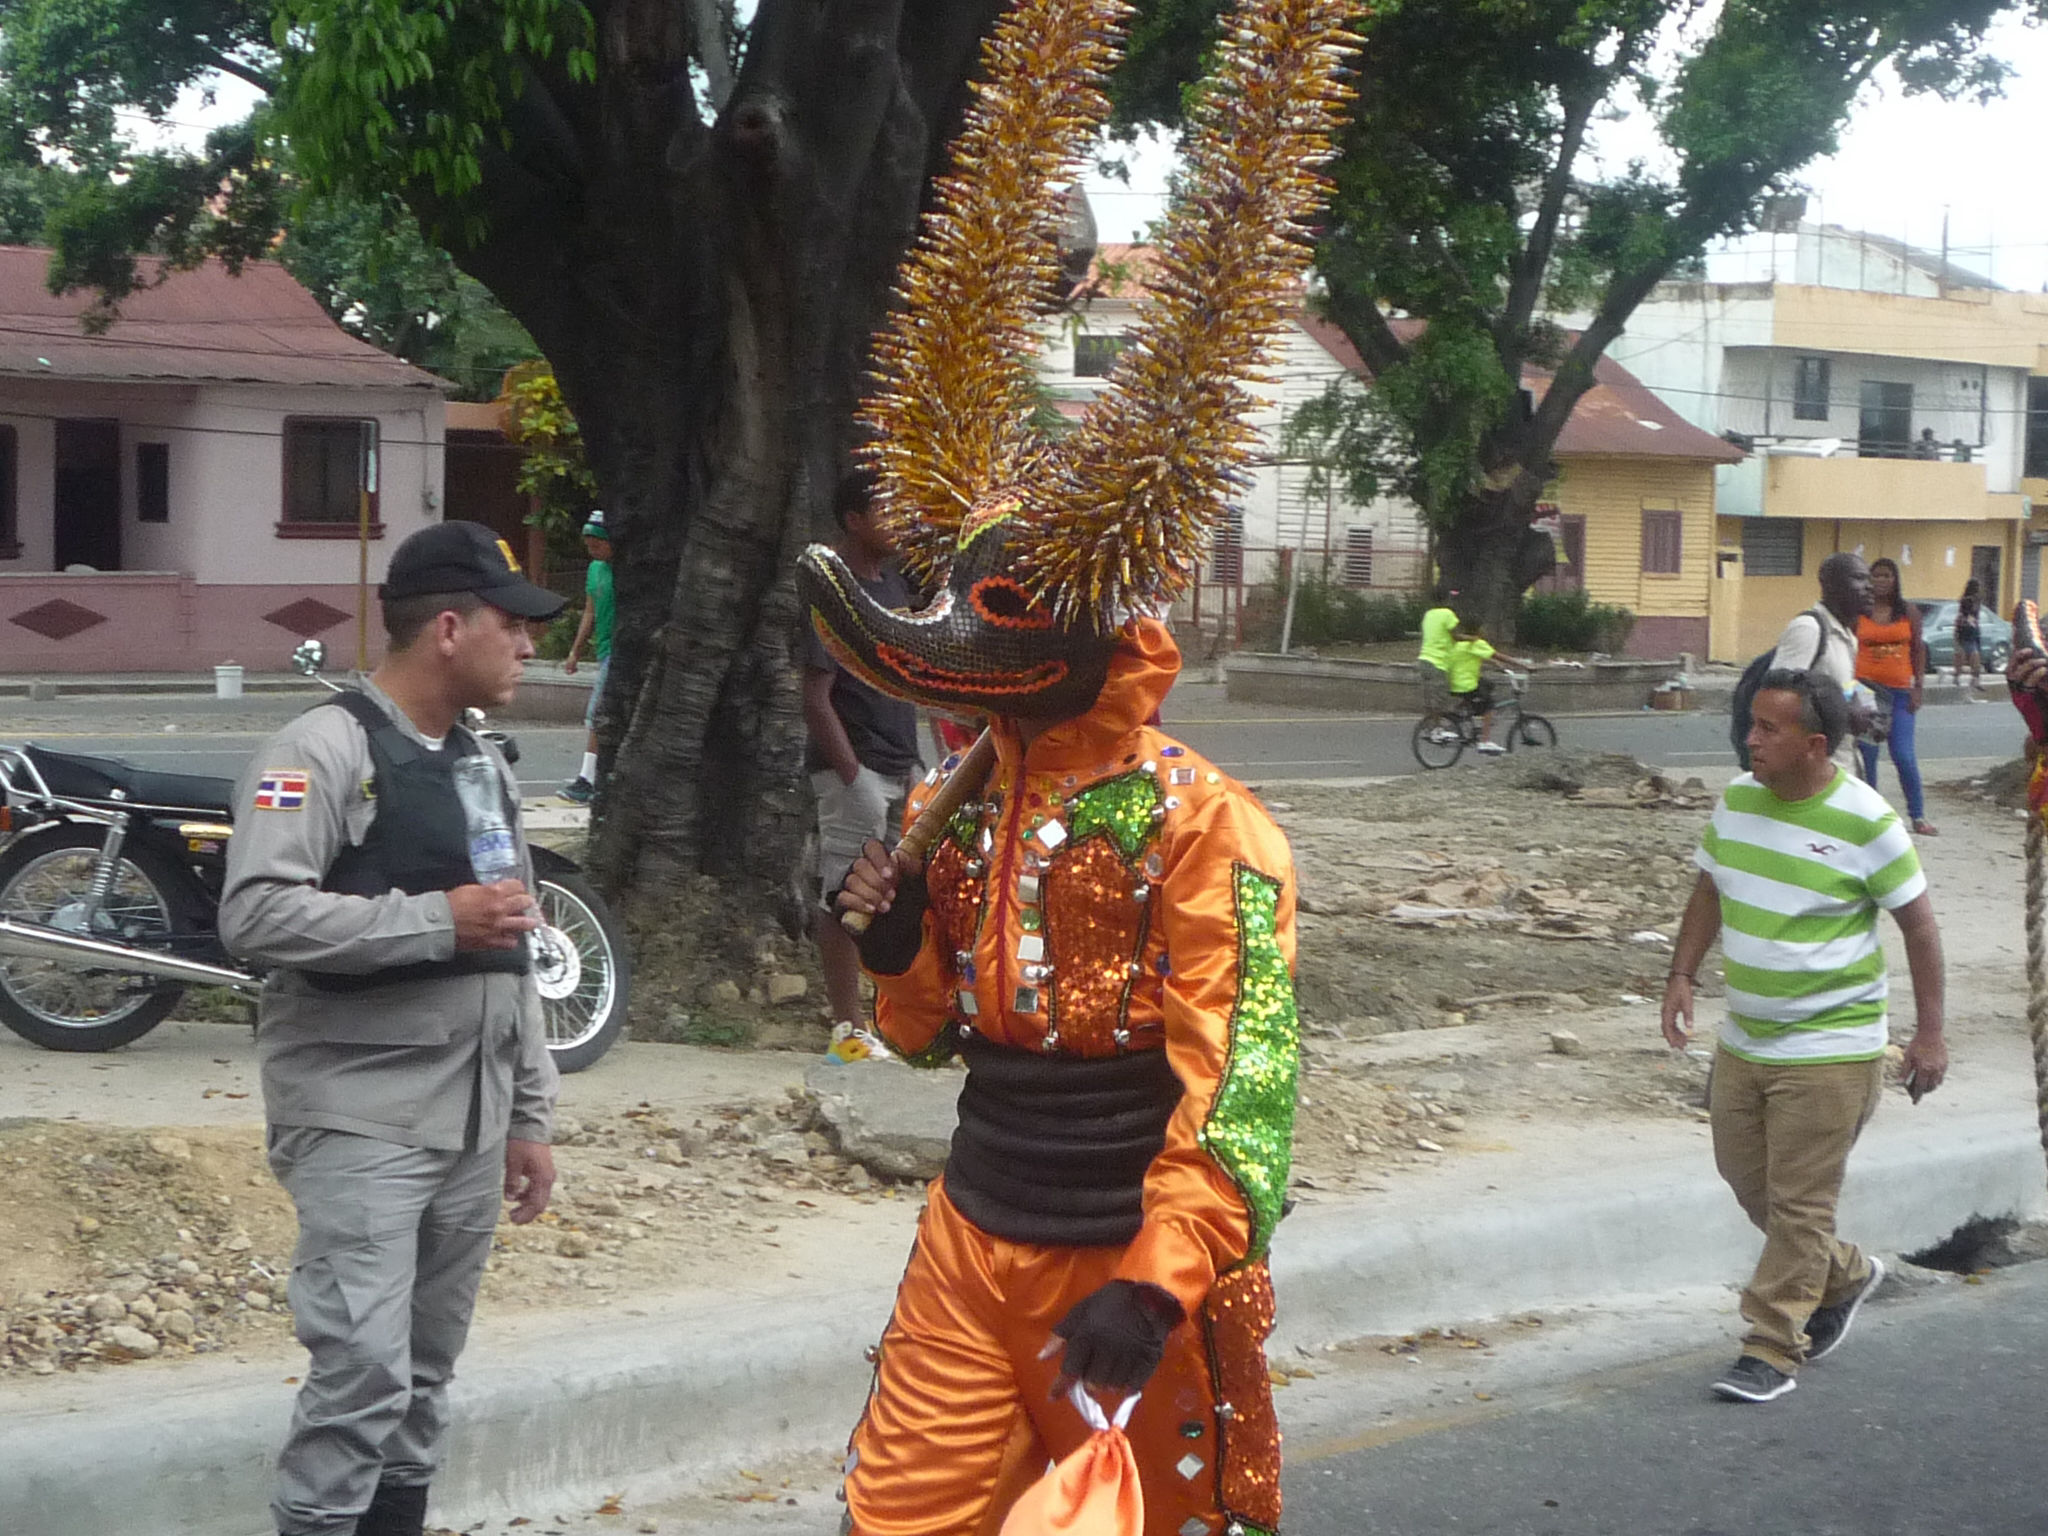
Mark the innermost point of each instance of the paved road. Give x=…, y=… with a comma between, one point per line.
x=1927, y=1423
x=202, y=735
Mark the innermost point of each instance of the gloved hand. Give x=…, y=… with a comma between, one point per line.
x=882, y=880
x=1113, y=1336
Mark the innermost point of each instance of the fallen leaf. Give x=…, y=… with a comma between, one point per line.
x=610, y=1506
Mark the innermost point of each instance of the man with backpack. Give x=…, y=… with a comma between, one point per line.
x=1822, y=640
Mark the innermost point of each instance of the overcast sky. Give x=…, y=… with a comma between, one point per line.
x=1903, y=162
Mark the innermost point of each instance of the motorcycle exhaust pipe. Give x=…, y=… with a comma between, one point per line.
x=30, y=941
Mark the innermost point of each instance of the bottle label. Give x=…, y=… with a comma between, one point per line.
x=493, y=849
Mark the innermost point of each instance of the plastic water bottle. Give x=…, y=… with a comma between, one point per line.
x=493, y=851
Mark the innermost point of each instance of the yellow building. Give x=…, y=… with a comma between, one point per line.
x=1895, y=424
x=1632, y=510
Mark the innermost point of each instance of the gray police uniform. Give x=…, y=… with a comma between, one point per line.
x=393, y=1073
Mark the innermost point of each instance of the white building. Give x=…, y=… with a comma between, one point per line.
x=1381, y=545
x=1889, y=419
x=187, y=487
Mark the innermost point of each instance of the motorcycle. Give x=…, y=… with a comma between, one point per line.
x=110, y=881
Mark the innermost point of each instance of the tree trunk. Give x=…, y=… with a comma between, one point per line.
x=1491, y=554
x=706, y=293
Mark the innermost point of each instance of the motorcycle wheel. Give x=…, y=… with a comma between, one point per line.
x=45, y=878
x=581, y=966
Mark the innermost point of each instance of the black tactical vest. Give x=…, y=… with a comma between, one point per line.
x=418, y=842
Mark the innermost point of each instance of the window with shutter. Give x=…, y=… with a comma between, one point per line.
x=1357, y=557
x=1663, y=541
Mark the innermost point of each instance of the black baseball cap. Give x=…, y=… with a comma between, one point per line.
x=466, y=557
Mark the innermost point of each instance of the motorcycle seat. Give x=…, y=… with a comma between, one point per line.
x=79, y=777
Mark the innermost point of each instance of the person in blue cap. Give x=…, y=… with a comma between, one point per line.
x=595, y=630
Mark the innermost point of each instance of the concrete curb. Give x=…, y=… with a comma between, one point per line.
x=654, y=1406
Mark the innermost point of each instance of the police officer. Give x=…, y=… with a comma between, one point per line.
x=406, y=1078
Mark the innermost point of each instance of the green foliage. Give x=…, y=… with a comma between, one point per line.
x=1462, y=201
x=539, y=420
x=27, y=194
x=1568, y=621
x=555, y=640
x=385, y=93
x=366, y=261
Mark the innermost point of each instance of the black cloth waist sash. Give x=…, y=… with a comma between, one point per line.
x=1053, y=1149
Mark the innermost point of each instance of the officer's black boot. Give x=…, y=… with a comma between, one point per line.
x=397, y=1510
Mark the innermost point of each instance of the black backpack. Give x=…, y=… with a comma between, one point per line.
x=1739, y=714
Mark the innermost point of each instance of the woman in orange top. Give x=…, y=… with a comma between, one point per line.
x=1891, y=658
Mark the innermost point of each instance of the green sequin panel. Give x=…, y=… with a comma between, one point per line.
x=965, y=823
x=1250, y=1130
x=945, y=1045
x=1122, y=807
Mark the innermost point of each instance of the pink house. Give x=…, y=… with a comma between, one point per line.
x=188, y=488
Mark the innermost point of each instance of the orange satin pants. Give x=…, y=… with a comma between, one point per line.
x=961, y=1419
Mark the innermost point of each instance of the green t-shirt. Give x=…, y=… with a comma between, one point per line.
x=1466, y=656
x=597, y=586
x=1437, y=625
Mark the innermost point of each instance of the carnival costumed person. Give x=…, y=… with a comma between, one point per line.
x=1104, y=928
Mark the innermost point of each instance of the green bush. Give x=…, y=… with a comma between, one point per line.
x=1568, y=621
x=554, y=641
x=1328, y=613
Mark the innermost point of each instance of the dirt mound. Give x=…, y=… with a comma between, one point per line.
x=129, y=1244
x=2004, y=786
x=1420, y=894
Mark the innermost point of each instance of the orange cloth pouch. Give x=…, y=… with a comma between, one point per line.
x=1092, y=1492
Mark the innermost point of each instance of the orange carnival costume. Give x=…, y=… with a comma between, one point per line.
x=1105, y=930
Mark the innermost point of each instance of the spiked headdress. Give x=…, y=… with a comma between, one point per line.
x=1039, y=551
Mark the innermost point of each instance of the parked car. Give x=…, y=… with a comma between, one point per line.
x=1937, y=625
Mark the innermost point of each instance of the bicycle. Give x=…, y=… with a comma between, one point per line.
x=1442, y=735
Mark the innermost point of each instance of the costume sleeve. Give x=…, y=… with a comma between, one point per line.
x=912, y=1007
x=1226, y=910
x=287, y=837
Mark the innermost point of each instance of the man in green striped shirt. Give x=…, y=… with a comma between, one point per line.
x=1793, y=868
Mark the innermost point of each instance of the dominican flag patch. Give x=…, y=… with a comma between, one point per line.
x=281, y=789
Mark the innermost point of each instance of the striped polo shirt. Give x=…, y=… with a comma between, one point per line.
x=1800, y=884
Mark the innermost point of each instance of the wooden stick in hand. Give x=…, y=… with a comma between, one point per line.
x=961, y=785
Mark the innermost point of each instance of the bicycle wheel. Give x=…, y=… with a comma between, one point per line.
x=1439, y=740
x=1533, y=733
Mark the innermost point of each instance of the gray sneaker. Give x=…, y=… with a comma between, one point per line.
x=1830, y=1325
x=1750, y=1380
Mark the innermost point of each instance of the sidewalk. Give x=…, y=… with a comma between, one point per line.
x=557, y=1410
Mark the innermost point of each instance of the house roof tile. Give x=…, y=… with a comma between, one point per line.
x=204, y=325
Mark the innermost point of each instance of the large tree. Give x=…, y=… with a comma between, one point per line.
x=698, y=221
x=1466, y=200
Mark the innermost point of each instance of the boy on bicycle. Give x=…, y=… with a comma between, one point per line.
x=1471, y=680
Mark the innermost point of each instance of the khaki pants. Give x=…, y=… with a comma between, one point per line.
x=1782, y=1135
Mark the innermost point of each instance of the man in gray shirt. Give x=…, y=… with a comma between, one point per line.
x=406, y=1079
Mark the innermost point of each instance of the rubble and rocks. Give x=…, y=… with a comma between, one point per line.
x=892, y=1120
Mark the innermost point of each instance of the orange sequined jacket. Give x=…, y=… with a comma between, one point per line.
x=1112, y=892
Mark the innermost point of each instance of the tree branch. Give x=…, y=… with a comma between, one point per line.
x=264, y=80
x=713, y=50
x=1527, y=285
x=1365, y=327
